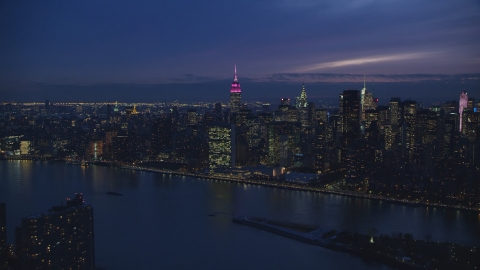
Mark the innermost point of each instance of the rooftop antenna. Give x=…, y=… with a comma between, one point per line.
x=235, y=76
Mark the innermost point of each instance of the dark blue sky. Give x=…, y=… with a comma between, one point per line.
x=163, y=50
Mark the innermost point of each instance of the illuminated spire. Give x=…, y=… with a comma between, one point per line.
x=235, y=94
x=364, y=84
x=235, y=84
x=235, y=79
x=302, y=99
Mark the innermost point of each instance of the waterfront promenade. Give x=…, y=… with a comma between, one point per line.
x=291, y=186
x=294, y=186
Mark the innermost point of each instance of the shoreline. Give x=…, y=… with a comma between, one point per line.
x=281, y=185
x=312, y=238
x=402, y=253
x=289, y=186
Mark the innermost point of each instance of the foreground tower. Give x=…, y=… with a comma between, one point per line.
x=3, y=236
x=235, y=94
x=60, y=238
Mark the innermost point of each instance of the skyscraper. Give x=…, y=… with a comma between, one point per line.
x=409, y=127
x=350, y=154
x=221, y=145
x=362, y=98
x=302, y=99
x=463, y=104
x=471, y=104
x=367, y=100
x=351, y=114
x=235, y=94
x=60, y=238
x=301, y=105
x=3, y=236
x=394, y=116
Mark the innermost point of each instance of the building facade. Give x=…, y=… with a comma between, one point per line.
x=60, y=238
x=351, y=115
x=3, y=236
x=221, y=145
x=462, y=105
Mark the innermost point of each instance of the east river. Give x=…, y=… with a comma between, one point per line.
x=178, y=222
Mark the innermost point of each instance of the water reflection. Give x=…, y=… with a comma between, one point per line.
x=164, y=218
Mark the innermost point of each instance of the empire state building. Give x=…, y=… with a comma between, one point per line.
x=235, y=94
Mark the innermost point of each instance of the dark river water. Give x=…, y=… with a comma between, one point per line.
x=164, y=221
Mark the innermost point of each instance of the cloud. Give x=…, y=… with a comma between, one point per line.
x=362, y=61
x=345, y=77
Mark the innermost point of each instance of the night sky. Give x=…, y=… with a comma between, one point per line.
x=166, y=50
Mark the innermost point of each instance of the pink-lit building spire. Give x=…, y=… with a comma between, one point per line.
x=235, y=93
x=235, y=88
x=235, y=79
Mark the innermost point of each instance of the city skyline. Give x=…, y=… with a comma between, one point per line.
x=431, y=92
x=344, y=133
x=402, y=153
x=168, y=51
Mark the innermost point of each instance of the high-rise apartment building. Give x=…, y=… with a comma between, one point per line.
x=3, y=236
x=60, y=238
